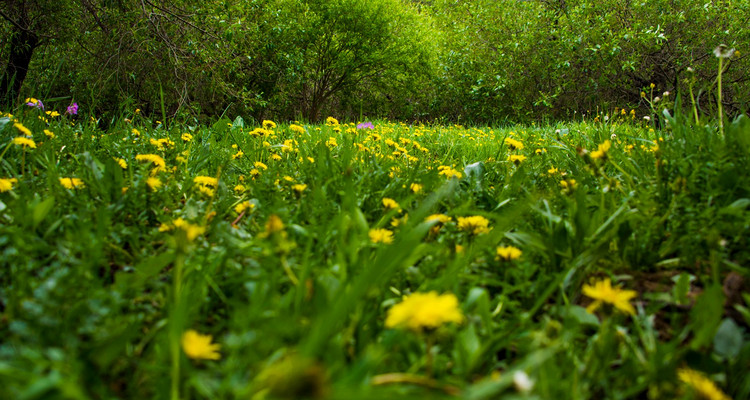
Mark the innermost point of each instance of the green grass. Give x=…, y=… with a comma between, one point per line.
x=98, y=285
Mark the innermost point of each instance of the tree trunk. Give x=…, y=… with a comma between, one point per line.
x=22, y=45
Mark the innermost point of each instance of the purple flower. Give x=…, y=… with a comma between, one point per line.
x=72, y=110
x=366, y=125
x=32, y=102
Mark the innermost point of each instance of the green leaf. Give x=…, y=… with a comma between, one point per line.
x=706, y=315
x=41, y=210
x=728, y=340
x=581, y=316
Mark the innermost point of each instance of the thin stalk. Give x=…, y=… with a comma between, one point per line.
x=718, y=96
x=176, y=329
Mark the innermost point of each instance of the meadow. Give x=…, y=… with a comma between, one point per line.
x=604, y=258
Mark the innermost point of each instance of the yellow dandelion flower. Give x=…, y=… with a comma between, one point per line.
x=199, y=347
x=415, y=187
x=603, y=292
x=299, y=188
x=273, y=225
x=191, y=231
x=601, y=152
x=517, y=159
x=421, y=311
x=330, y=121
x=24, y=130
x=276, y=157
x=390, y=204
x=514, y=144
x=475, y=225
x=260, y=165
x=6, y=184
x=269, y=124
x=72, y=183
x=24, y=142
x=449, y=172
x=297, y=128
x=237, y=155
x=240, y=188
x=244, y=206
x=186, y=137
x=206, y=181
x=381, y=236
x=206, y=190
x=49, y=133
x=701, y=384
x=159, y=164
x=122, y=163
x=507, y=253
x=153, y=183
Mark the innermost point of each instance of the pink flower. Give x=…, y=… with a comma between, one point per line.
x=72, y=109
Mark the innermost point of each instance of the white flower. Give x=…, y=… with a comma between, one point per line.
x=522, y=382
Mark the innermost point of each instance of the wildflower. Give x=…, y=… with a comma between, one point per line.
x=240, y=188
x=475, y=225
x=448, y=172
x=601, y=152
x=415, y=187
x=49, y=133
x=259, y=132
x=381, y=236
x=199, y=347
x=330, y=121
x=53, y=114
x=701, y=384
x=259, y=164
x=276, y=157
x=297, y=128
x=237, y=155
x=6, y=184
x=331, y=142
x=72, y=183
x=299, y=188
x=522, y=382
x=161, y=143
x=421, y=311
x=32, y=102
x=159, y=164
x=568, y=186
x=603, y=292
x=722, y=51
x=153, y=183
x=507, y=253
x=440, y=218
x=516, y=159
x=390, y=204
x=24, y=141
x=273, y=225
x=186, y=137
x=122, y=163
x=191, y=231
x=208, y=191
x=135, y=132
x=552, y=171
x=514, y=144
x=365, y=125
x=206, y=181
x=269, y=124
x=24, y=130
x=243, y=207
x=72, y=109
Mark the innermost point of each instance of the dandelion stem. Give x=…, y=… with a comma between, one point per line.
x=718, y=96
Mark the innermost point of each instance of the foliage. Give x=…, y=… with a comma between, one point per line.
x=257, y=241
